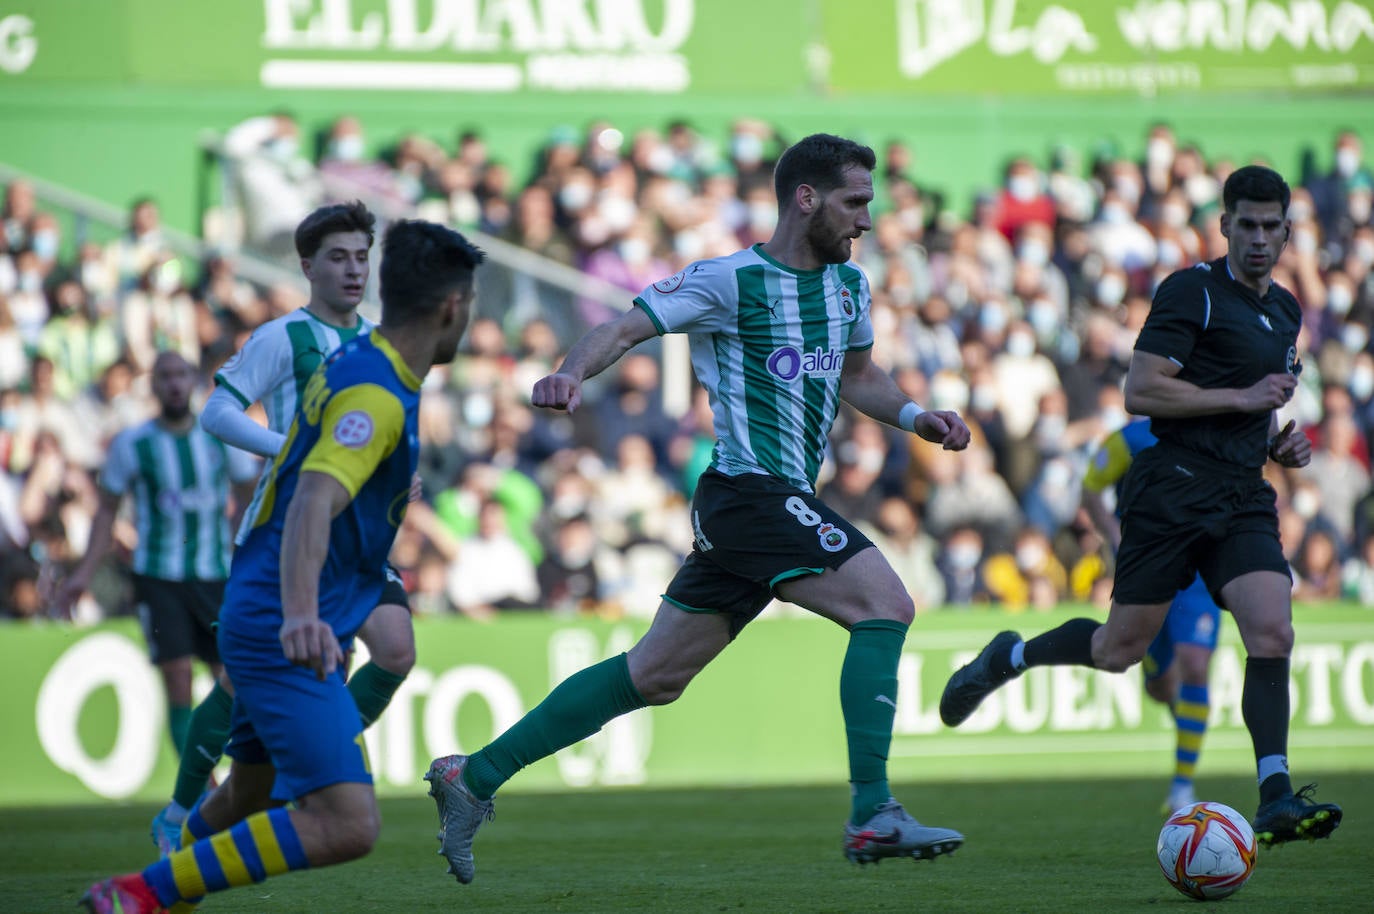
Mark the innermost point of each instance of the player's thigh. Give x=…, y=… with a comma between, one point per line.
x=246, y=790
x=389, y=635
x=1126, y=635
x=678, y=645
x=865, y=587
x=1261, y=603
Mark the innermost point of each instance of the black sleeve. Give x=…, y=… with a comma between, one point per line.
x=1178, y=316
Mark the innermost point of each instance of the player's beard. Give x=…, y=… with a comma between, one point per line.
x=827, y=244
x=176, y=412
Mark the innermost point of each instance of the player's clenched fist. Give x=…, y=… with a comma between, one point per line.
x=1271, y=392
x=557, y=391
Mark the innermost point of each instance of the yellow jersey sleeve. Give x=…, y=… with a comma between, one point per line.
x=1109, y=464
x=359, y=429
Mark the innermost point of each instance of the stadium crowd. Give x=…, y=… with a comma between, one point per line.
x=1021, y=314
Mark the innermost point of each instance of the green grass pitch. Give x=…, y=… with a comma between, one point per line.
x=1053, y=846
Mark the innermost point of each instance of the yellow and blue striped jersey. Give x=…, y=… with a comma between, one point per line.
x=357, y=423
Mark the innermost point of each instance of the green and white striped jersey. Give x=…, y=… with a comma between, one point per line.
x=180, y=485
x=273, y=366
x=278, y=359
x=768, y=344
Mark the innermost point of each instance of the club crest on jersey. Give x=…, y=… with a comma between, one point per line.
x=833, y=539
x=671, y=284
x=846, y=303
x=354, y=429
x=787, y=362
x=1290, y=362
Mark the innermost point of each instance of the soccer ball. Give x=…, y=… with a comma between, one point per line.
x=1206, y=850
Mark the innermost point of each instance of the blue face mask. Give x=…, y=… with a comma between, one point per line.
x=45, y=244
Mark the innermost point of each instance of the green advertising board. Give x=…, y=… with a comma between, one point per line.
x=84, y=717
x=458, y=46
x=1142, y=47
x=699, y=46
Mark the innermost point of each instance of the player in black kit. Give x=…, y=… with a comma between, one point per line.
x=1215, y=360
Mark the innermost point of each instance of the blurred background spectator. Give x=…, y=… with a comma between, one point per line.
x=1020, y=312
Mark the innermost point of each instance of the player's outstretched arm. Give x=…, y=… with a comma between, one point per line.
x=305, y=639
x=1154, y=389
x=599, y=349
x=225, y=418
x=871, y=391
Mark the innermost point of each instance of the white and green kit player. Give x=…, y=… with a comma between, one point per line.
x=179, y=480
x=780, y=334
x=272, y=368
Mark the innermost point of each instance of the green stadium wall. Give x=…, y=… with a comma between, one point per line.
x=112, y=97
x=84, y=717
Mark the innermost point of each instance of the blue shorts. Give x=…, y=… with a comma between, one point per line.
x=308, y=729
x=1193, y=619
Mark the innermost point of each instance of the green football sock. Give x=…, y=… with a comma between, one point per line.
x=372, y=688
x=178, y=721
x=205, y=735
x=577, y=707
x=868, y=700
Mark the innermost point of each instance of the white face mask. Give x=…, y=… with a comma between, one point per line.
x=1362, y=383
x=575, y=196
x=1111, y=289
x=1159, y=153
x=1044, y=318
x=659, y=160
x=1354, y=337
x=1030, y=557
x=1305, y=503
x=1347, y=161
x=746, y=149
x=348, y=148
x=688, y=244
x=1169, y=255
x=1173, y=215
x=963, y=557
x=1034, y=252
x=634, y=251
x=1023, y=187
x=617, y=211
x=1021, y=345
x=1339, y=300
x=1304, y=242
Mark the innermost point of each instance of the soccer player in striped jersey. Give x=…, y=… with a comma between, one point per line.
x=779, y=334
x=179, y=478
x=1178, y=661
x=273, y=368
x=304, y=580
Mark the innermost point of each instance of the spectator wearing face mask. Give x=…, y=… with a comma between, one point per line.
x=277, y=187
x=1022, y=200
x=1330, y=190
x=960, y=564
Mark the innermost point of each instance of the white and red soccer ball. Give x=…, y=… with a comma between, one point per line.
x=1207, y=850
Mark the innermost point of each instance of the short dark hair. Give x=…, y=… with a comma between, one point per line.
x=337, y=217
x=422, y=263
x=819, y=160
x=1255, y=183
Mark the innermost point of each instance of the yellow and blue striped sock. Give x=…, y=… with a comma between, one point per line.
x=194, y=827
x=1190, y=717
x=265, y=844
